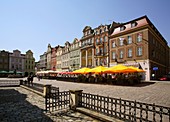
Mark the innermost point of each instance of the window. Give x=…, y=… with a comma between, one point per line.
x=121, y=54
x=113, y=44
x=101, y=39
x=96, y=62
x=101, y=61
x=153, y=53
x=96, y=41
x=105, y=61
x=139, y=37
x=90, y=41
x=104, y=29
x=121, y=41
x=113, y=55
x=97, y=51
x=96, y=32
x=129, y=52
x=153, y=41
x=105, y=50
x=105, y=39
x=133, y=24
x=101, y=51
x=122, y=28
x=139, y=51
x=129, y=39
x=100, y=30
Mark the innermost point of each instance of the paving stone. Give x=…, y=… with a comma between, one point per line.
x=29, y=107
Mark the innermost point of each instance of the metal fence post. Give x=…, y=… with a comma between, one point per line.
x=75, y=97
x=47, y=89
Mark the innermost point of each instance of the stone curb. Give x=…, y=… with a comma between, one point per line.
x=97, y=115
x=30, y=89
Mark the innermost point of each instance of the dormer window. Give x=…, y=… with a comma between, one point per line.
x=122, y=28
x=100, y=30
x=96, y=32
x=133, y=24
x=104, y=29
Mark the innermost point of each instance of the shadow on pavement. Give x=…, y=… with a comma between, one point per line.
x=143, y=84
x=14, y=107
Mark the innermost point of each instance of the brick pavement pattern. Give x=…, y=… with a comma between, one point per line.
x=157, y=92
x=20, y=105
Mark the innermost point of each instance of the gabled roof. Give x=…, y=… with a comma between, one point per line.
x=87, y=28
x=140, y=18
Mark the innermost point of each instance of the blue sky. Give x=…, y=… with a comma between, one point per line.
x=33, y=24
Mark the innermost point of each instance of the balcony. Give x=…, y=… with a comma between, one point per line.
x=99, y=43
x=105, y=54
x=86, y=45
x=99, y=54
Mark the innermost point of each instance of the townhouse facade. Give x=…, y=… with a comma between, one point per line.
x=138, y=43
x=101, y=47
x=48, y=53
x=87, y=48
x=16, y=61
x=43, y=62
x=4, y=60
x=59, y=58
x=75, y=55
x=65, y=66
x=29, y=63
x=53, y=58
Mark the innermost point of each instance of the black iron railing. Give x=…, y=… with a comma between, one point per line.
x=125, y=109
x=56, y=100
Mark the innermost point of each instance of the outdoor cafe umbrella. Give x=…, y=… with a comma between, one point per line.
x=97, y=70
x=115, y=69
x=136, y=69
x=81, y=71
x=3, y=72
x=130, y=70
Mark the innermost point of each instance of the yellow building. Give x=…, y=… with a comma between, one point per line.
x=29, y=63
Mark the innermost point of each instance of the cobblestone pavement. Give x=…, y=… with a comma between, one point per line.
x=20, y=105
x=29, y=107
x=157, y=92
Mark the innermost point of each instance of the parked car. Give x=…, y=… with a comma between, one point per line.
x=165, y=78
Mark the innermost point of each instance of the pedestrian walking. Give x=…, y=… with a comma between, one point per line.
x=28, y=80
x=31, y=79
x=39, y=77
